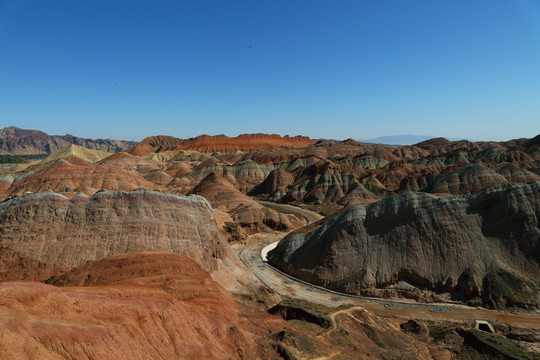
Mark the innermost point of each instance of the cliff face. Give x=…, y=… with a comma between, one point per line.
x=485, y=245
x=15, y=141
x=46, y=233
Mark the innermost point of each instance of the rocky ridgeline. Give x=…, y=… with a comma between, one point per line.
x=483, y=247
x=15, y=141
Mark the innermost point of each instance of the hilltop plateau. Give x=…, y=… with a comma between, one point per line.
x=208, y=144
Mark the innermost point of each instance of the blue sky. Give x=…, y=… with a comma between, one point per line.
x=325, y=69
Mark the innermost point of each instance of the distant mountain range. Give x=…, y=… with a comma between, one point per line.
x=403, y=139
x=16, y=141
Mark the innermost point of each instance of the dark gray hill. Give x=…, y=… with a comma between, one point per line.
x=484, y=246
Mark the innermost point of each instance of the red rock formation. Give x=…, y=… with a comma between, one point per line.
x=154, y=144
x=435, y=143
x=155, y=305
x=219, y=143
x=245, y=142
x=162, y=305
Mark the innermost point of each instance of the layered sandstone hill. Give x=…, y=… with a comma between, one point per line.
x=43, y=234
x=224, y=196
x=323, y=182
x=468, y=179
x=62, y=176
x=77, y=155
x=245, y=142
x=73, y=154
x=485, y=245
x=154, y=144
x=129, y=162
x=132, y=306
x=219, y=143
x=275, y=185
x=15, y=141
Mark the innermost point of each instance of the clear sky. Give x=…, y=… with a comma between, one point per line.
x=325, y=69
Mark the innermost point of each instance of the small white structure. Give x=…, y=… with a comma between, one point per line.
x=484, y=326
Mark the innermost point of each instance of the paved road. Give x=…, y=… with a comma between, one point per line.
x=295, y=288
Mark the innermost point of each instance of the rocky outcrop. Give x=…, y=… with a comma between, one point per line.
x=485, y=245
x=43, y=234
x=15, y=141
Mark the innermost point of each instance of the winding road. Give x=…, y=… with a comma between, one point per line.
x=254, y=254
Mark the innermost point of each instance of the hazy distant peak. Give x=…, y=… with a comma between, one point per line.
x=404, y=139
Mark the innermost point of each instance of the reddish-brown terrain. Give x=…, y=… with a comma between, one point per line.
x=131, y=306
x=63, y=176
x=118, y=262
x=208, y=144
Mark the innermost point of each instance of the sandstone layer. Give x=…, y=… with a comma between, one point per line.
x=43, y=234
x=63, y=176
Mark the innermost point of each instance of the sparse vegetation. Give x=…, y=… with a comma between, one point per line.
x=19, y=159
x=439, y=332
x=502, y=345
x=503, y=286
